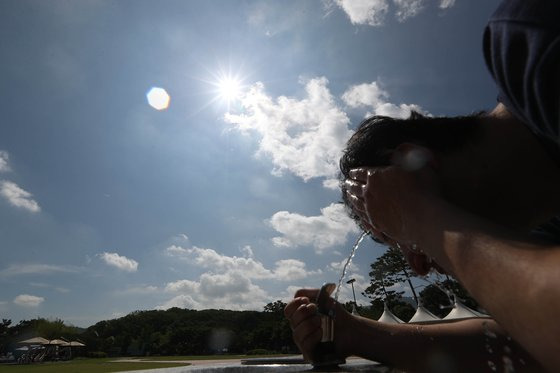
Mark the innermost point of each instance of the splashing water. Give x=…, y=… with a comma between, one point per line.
x=352, y=253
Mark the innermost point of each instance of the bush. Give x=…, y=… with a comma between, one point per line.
x=259, y=351
x=97, y=354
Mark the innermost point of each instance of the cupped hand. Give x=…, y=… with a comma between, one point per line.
x=390, y=201
x=305, y=322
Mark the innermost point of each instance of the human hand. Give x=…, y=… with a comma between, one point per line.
x=391, y=201
x=305, y=322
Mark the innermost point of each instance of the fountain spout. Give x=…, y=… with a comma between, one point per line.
x=324, y=356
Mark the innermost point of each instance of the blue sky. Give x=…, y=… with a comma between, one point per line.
x=108, y=205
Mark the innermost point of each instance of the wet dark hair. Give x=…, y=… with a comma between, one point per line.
x=376, y=138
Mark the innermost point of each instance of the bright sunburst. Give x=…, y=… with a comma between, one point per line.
x=229, y=88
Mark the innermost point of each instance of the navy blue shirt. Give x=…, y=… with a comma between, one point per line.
x=522, y=52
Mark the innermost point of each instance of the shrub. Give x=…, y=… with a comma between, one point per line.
x=259, y=351
x=97, y=354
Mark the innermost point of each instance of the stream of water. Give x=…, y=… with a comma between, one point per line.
x=352, y=253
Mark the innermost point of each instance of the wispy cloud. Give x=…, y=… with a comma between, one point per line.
x=138, y=290
x=26, y=300
x=304, y=137
x=18, y=197
x=444, y=4
x=49, y=286
x=118, y=261
x=408, y=8
x=324, y=231
x=4, y=157
x=36, y=269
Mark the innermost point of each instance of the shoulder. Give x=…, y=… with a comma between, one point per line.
x=522, y=52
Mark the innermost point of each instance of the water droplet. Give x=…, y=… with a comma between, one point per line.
x=508, y=364
x=507, y=350
x=489, y=349
x=492, y=366
x=490, y=334
x=522, y=361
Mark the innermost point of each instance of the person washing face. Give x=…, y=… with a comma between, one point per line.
x=476, y=197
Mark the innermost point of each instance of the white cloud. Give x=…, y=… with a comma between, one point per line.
x=292, y=270
x=175, y=250
x=18, y=197
x=33, y=269
x=304, y=137
x=119, y=261
x=408, y=8
x=374, y=12
x=284, y=270
x=372, y=96
x=44, y=285
x=4, y=166
x=247, y=251
x=138, y=290
x=444, y=4
x=27, y=300
x=365, y=12
x=232, y=290
x=229, y=281
x=324, y=231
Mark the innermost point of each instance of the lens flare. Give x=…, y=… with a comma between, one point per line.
x=158, y=98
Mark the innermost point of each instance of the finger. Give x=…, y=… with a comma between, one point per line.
x=308, y=339
x=356, y=202
x=294, y=305
x=303, y=314
x=309, y=293
x=355, y=188
x=359, y=174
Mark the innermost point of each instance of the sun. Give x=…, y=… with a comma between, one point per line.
x=229, y=88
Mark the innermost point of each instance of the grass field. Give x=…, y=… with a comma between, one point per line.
x=204, y=357
x=85, y=366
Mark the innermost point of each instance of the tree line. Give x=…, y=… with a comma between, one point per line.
x=178, y=331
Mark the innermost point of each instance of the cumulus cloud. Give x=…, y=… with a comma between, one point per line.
x=18, y=197
x=27, y=300
x=119, y=261
x=374, y=12
x=373, y=97
x=229, y=281
x=4, y=166
x=231, y=290
x=284, y=270
x=329, y=229
x=365, y=12
x=304, y=137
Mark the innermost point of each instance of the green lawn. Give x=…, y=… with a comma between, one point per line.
x=85, y=366
x=204, y=357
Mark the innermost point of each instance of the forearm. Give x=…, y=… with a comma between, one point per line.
x=468, y=345
x=513, y=279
